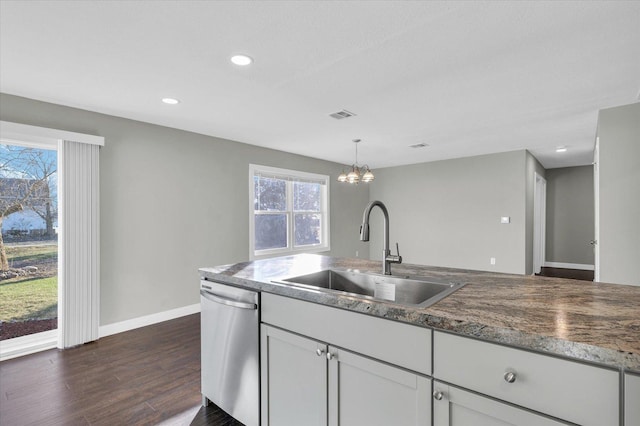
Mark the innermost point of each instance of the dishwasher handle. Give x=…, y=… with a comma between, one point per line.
x=224, y=301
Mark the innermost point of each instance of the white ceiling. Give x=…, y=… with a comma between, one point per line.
x=467, y=78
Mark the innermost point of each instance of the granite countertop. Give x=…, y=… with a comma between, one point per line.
x=587, y=321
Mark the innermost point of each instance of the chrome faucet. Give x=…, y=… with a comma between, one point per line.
x=387, y=257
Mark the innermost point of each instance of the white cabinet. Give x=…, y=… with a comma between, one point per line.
x=303, y=380
x=363, y=391
x=311, y=366
x=568, y=390
x=293, y=379
x=328, y=366
x=457, y=407
x=631, y=400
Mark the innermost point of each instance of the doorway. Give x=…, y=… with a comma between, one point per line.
x=539, y=222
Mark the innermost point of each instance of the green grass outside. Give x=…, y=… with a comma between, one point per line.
x=32, y=253
x=29, y=299
x=24, y=298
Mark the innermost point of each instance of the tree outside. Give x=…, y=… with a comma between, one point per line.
x=28, y=241
x=272, y=213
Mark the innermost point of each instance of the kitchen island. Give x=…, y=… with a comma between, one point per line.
x=595, y=324
x=592, y=322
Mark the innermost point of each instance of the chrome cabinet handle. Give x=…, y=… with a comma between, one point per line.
x=510, y=376
x=330, y=356
x=319, y=352
x=438, y=395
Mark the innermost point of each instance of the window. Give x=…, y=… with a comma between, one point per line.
x=289, y=212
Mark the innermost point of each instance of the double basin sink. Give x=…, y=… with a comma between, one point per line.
x=395, y=289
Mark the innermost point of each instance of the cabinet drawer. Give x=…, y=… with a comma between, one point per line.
x=569, y=390
x=396, y=343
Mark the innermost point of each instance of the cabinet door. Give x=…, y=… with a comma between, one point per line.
x=583, y=394
x=456, y=407
x=293, y=378
x=631, y=400
x=363, y=391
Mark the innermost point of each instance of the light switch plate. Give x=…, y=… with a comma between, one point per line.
x=505, y=219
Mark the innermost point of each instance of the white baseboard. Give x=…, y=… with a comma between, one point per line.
x=569, y=266
x=119, y=327
x=29, y=344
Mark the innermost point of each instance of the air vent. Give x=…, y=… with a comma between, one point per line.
x=342, y=114
x=419, y=145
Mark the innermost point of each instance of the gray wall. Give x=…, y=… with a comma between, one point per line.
x=447, y=213
x=174, y=201
x=619, y=240
x=570, y=215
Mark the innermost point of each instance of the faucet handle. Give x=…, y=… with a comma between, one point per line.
x=394, y=258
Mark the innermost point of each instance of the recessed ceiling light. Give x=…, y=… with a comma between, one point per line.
x=241, y=60
x=170, y=101
x=561, y=149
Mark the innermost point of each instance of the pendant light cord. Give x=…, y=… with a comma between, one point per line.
x=356, y=154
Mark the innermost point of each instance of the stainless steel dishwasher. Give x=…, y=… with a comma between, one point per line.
x=230, y=341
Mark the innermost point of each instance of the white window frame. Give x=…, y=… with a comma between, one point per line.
x=291, y=176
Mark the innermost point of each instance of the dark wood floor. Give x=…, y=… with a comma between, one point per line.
x=576, y=274
x=146, y=376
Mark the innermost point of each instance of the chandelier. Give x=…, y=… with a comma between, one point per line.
x=358, y=173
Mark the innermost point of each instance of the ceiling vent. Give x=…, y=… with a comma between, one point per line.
x=342, y=114
x=419, y=145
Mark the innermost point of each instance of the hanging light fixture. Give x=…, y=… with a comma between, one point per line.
x=358, y=173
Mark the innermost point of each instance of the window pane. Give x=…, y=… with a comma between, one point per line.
x=307, y=229
x=270, y=231
x=307, y=196
x=270, y=194
x=29, y=244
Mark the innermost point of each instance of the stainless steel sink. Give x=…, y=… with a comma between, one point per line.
x=400, y=290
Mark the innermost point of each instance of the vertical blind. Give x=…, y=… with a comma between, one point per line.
x=79, y=243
